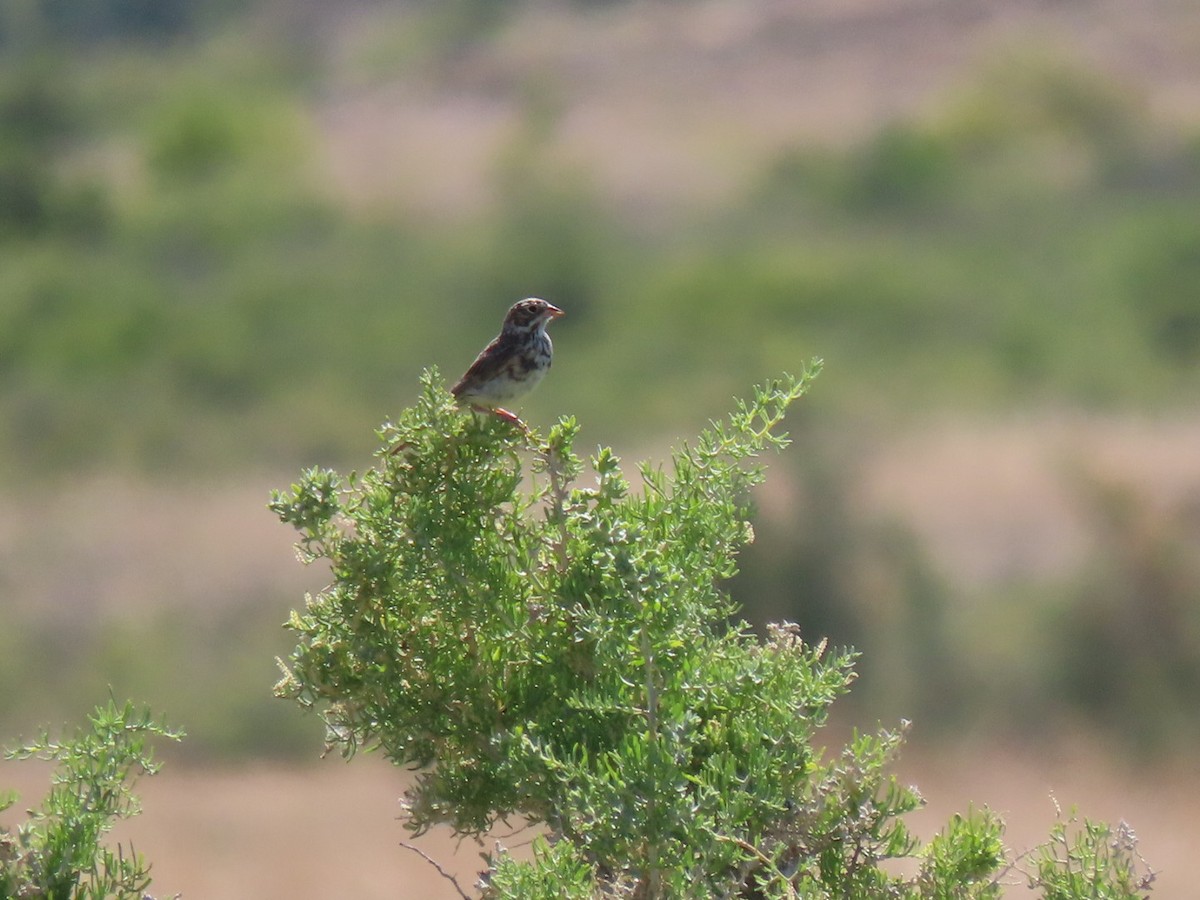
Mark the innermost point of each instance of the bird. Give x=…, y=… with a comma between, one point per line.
x=513, y=363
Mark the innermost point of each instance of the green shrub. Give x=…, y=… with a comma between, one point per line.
x=565, y=653
x=1089, y=859
x=58, y=853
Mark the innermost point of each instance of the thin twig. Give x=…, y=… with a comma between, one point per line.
x=558, y=493
x=433, y=862
x=764, y=859
x=516, y=829
x=1012, y=867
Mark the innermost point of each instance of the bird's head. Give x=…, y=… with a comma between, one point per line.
x=530, y=314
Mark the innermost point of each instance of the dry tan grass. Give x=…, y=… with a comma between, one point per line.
x=331, y=830
x=989, y=498
x=112, y=546
x=323, y=831
x=665, y=105
x=999, y=499
x=985, y=495
x=1022, y=784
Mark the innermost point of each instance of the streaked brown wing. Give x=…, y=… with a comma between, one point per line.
x=488, y=364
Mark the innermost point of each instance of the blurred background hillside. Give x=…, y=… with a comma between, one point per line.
x=233, y=232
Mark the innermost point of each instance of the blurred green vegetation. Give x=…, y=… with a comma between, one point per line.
x=180, y=292
x=1110, y=645
x=183, y=296
x=214, y=668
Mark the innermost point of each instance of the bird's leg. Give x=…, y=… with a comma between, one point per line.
x=505, y=415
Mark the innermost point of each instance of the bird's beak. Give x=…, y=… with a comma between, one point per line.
x=553, y=311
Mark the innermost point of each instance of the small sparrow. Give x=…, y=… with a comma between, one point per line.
x=513, y=363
